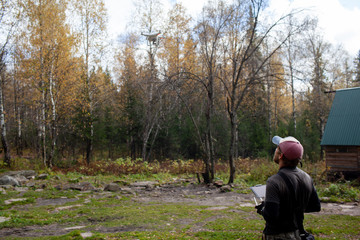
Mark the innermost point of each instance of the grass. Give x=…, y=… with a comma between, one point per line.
x=118, y=216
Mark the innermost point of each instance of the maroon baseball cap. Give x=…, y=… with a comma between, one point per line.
x=289, y=146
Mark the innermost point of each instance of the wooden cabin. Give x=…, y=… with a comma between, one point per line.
x=341, y=139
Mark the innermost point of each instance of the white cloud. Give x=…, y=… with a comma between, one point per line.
x=338, y=20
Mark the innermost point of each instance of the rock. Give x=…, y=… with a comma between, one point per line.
x=246, y=204
x=21, y=189
x=4, y=219
x=145, y=184
x=67, y=207
x=83, y=186
x=30, y=184
x=10, y=201
x=112, y=187
x=86, y=234
x=225, y=188
x=74, y=228
x=21, y=179
x=8, y=180
x=25, y=173
x=347, y=206
x=219, y=183
x=126, y=190
x=43, y=176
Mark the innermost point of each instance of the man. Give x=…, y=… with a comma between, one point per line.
x=287, y=197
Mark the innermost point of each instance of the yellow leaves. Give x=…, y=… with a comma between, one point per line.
x=45, y=55
x=93, y=17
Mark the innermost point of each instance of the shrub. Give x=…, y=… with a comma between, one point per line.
x=340, y=192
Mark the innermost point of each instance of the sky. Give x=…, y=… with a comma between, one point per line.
x=339, y=20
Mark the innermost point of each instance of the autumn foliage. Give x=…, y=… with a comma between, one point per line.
x=215, y=87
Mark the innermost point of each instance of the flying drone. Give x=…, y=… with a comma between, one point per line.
x=153, y=38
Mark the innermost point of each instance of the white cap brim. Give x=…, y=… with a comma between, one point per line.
x=276, y=140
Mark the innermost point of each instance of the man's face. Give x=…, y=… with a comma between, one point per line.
x=277, y=155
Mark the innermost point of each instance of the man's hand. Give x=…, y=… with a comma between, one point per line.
x=260, y=207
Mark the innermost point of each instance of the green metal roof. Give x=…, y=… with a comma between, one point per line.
x=343, y=124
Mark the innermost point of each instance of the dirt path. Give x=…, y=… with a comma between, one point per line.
x=212, y=196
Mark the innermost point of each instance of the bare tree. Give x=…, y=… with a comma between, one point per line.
x=246, y=61
x=150, y=22
x=210, y=30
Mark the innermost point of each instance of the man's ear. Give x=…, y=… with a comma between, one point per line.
x=281, y=156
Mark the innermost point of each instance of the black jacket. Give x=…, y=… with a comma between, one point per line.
x=281, y=212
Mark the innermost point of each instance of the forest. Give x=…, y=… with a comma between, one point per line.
x=215, y=87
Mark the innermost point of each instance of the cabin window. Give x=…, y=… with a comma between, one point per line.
x=342, y=150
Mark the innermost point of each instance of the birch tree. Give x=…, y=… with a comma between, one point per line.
x=8, y=21
x=44, y=52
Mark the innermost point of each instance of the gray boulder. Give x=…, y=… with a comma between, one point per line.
x=219, y=183
x=42, y=176
x=21, y=179
x=112, y=187
x=8, y=180
x=83, y=186
x=25, y=173
x=144, y=184
x=225, y=188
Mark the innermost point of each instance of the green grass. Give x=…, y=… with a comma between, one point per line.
x=120, y=217
x=156, y=220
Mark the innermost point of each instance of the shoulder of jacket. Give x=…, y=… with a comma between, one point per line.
x=274, y=179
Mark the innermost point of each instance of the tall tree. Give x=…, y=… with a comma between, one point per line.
x=150, y=21
x=318, y=52
x=4, y=142
x=8, y=14
x=127, y=70
x=47, y=58
x=291, y=53
x=92, y=18
x=210, y=30
x=246, y=60
x=275, y=85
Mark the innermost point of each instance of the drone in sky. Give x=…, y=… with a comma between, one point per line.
x=153, y=38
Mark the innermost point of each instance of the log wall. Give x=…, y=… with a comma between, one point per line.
x=342, y=158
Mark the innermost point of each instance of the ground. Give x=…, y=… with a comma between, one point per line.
x=149, y=192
